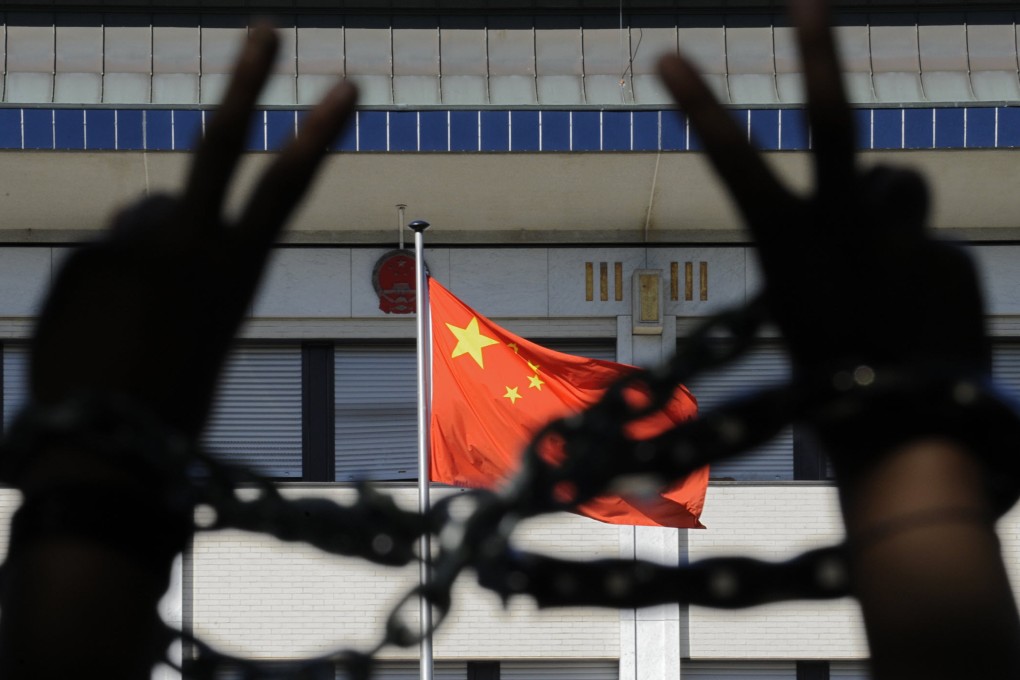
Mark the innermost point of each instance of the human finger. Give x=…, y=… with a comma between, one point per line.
x=285, y=182
x=755, y=189
x=900, y=196
x=832, y=128
x=220, y=149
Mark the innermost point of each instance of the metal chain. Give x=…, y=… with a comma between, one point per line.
x=478, y=533
x=475, y=528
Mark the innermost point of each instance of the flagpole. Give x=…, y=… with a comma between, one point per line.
x=424, y=349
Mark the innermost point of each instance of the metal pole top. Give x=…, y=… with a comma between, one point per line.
x=419, y=226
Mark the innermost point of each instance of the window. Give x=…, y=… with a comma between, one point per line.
x=408, y=670
x=762, y=366
x=738, y=670
x=560, y=669
x=376, y=412
x=257, y=412
x=256, y=416
x=1006, y=367
x=15, y=380
x=849, y=670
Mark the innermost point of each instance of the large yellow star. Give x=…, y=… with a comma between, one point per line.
x=512, y=394
x=470, y=341
x=536, y=382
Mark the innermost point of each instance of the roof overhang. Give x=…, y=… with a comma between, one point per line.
x=489, y=198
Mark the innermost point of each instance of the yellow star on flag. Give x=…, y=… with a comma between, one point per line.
x=512, y=394
x=533, y=367
x=470, y=341
x=536, y=382
x=513, y=346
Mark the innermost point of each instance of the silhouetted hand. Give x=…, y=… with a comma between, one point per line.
x=851, y=275
x=858, y=288
x=149, y=310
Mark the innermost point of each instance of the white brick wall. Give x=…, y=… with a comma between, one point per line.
x=263, y=598
x=282, y=600
x=1009, y=535
x=9, y=502
x=772, y=522
x=775, y=522
x=260, y=597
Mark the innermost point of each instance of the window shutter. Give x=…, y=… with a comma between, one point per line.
x=761, y=366
x=738, y=670
x=408, y=670
x=15, y=377
x=376, y=409
x=1006, y=368
x=601, y=669
x=849, y=670
x=256, y=416
x=376, y=413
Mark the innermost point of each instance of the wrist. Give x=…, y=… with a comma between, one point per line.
x=923, y=483
x=99, y=469
x=862, y=416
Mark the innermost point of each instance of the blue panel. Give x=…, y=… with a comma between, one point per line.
x=100, y=129
x=980, y=128
x=693, y=140
x=765, y=128
x=256, y=139
x=433, y=130
x=793, y=130
x=742, y=117
x=888, y=132
x=524, y=130
x=862, y=127
x=187, y=129
x=129, y=130
x=158, y=130
x=463, y=131
x=645, y=130
x=69, y=129
x=347, y=140
x=555, y=130
x=585, y=131
x=457, y=131
x=403, y=131
x=495, y=130
x=917, y=128
x=279, y=129
x=948, y=128
x=372, y=131
x=1009, y=126
x=10, y=128
x=616, y=131
x=673, y=124
x=38, y=128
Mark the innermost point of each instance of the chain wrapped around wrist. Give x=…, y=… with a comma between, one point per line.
x=863, y=413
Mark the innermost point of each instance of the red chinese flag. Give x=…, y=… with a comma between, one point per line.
x=492, y=391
